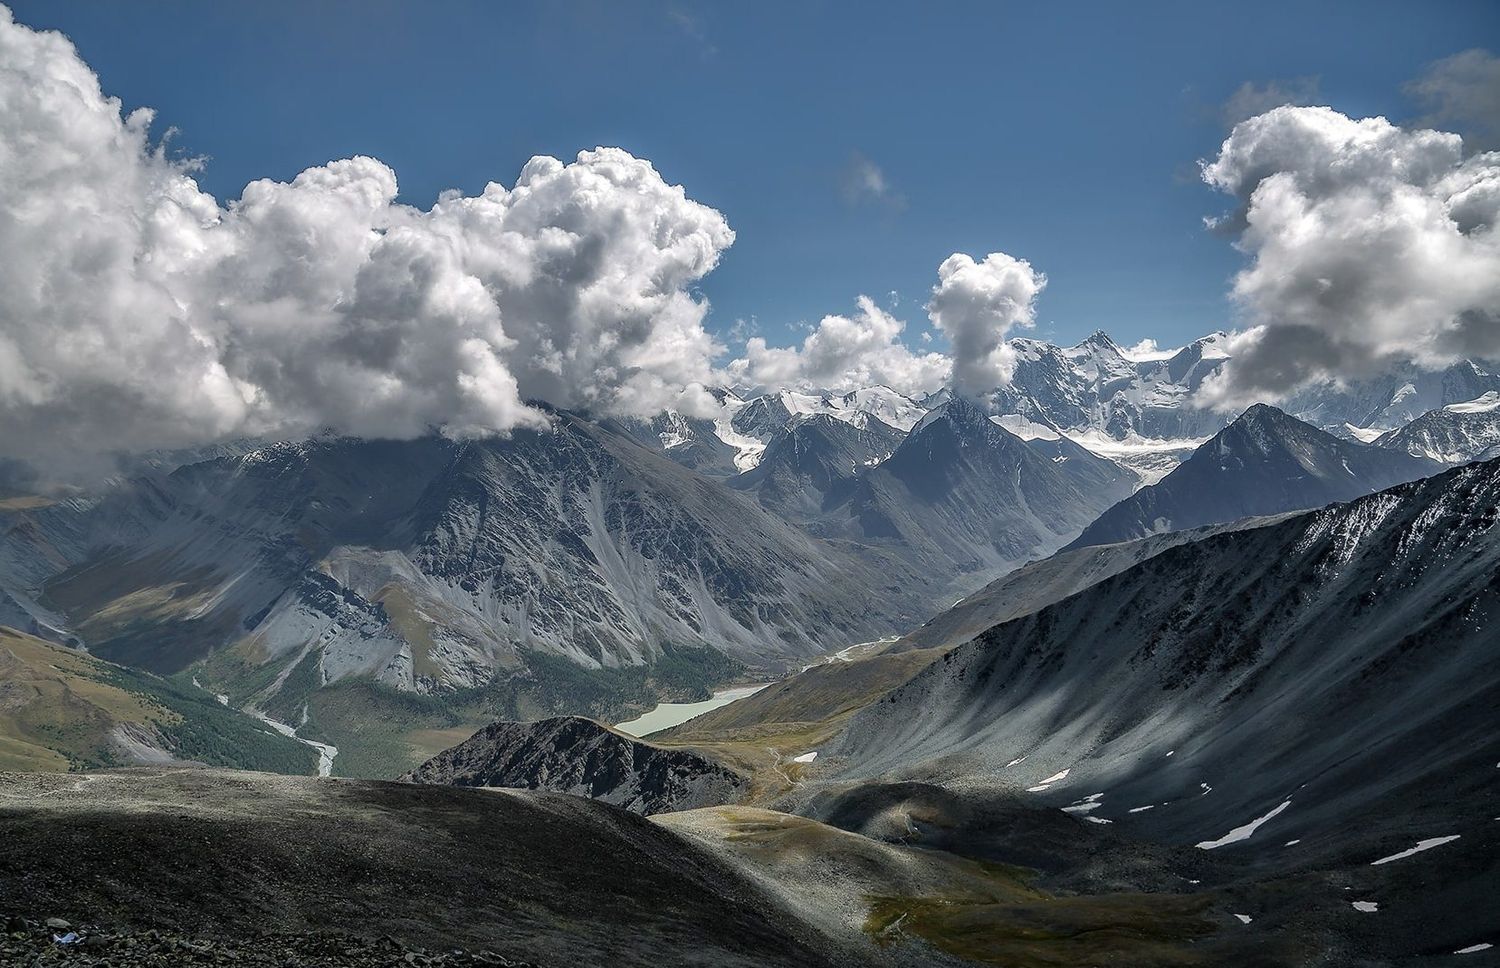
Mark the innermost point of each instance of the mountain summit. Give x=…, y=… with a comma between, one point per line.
x=1265, y=462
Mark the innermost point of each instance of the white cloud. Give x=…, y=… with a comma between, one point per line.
x=1367, y=243
x=976, y=305
x=1147, y=350
x=138, y=312
x=844, y=353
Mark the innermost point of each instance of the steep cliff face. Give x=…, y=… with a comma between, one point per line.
x=578, y=756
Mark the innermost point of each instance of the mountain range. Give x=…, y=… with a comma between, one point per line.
x=600, y=565
x=1263, y=463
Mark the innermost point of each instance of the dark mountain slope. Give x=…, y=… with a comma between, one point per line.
x=1326, y=683
x=1264, y=463
x=1324, y=624
x=1041, y=583
x=815, y=461
x=962, y=497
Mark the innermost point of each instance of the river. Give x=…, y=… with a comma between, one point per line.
x=669, y=714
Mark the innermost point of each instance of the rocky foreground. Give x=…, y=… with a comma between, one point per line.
x=169, y=866
x=57, y=941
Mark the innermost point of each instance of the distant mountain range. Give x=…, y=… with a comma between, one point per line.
x=1452, y=434
x=1263, y=463
x=602, y=564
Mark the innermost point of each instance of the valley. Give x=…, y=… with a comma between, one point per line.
x=896, y=683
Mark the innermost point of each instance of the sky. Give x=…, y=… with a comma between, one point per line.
x=1064, y=134
x=267, y=220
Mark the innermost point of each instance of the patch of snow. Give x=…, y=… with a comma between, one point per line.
x=1291, y=843
x=1048, y=782
x=1244, y=918
x=1015, y=761
x=1482, y=404
x=1024, y=428
x=1422, y=845
x=1090, y=802
x=1243, y=832
x=1097, y=820
x=1364, y=435
x=1149, y=806
x=1366, y=907
x=1474, y=948
x=805, y=757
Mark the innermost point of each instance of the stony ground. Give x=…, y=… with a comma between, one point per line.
x=294, y=871
x=28, y=942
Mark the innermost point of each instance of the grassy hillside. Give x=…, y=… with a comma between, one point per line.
x=61, y=709
x=761, y=734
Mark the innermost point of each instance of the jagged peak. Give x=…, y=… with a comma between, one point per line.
x=959, y=411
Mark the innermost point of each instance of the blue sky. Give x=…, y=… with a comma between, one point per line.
x=1062, y=134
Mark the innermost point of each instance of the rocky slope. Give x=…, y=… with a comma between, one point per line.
x=814, y=461
x=561, y=570
x=1042, y=583
x=1453, y=434
x=1266, y=462
x=1313, y=693
x=578, y=756
x=966, y=499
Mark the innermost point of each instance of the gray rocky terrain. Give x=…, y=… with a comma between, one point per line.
x=574, y=755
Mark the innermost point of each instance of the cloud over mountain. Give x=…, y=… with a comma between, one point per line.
x=845, y=353
x=976, y=305
x=1367, y=243
x=139, y=312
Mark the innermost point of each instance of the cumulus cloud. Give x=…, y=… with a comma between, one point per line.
x=976, y=305
x=1367, y=243
x=1462, y=92
x=844, y=353
x=138, y=312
